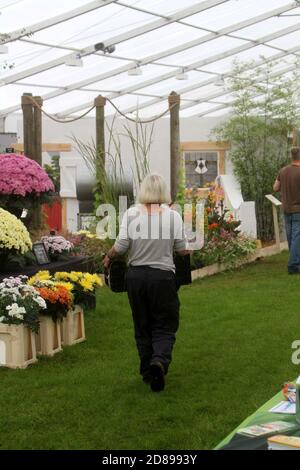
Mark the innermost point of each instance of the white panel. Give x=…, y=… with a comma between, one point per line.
x=233, y=12
x=95, y=26
x=28, y=12
x=247, y=216
x=204, y=51
x=68, y=179
x=2, y=353
x=159, y=40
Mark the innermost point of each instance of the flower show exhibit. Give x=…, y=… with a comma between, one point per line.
x=40, y=312
x=41, y=293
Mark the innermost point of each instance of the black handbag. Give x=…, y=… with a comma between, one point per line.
x=183, y=270
x=115, y=276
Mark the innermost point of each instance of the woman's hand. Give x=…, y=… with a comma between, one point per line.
x=107, y=259
x=106, y=262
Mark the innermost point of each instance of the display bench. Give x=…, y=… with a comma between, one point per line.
x=76, y=263
x=238, y=442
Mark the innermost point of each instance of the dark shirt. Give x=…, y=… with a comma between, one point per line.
x=289, y=178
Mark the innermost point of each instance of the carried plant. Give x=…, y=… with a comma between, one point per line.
x=87, y=244
x=23, y=183
x=20, y=303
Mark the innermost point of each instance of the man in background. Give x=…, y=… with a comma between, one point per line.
x=288, y=183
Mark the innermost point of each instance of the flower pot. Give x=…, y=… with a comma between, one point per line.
x=48, y=339
x=17, y=346
x=72, y=327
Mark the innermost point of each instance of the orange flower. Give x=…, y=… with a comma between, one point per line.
x=212, y=226
x=57, y=294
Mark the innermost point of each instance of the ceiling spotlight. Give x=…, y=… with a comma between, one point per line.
x=135, y=71
x=182, y=75
x=220, y=81
x=100, y=46
x=74, y=61
x=3, y=50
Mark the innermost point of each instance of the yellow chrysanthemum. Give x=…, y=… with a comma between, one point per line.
x=68, y=285
x=13, y=233
x=40, y=276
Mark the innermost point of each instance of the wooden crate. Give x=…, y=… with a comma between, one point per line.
x=17, y=346
x=72, y=329
x=48, y=339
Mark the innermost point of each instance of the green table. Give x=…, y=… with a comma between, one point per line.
x=262, y=415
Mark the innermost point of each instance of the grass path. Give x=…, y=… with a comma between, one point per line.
x=233, y=351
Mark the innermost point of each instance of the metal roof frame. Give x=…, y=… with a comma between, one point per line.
x=153, y=59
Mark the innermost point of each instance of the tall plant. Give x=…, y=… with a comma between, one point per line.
x=111, y=178
x=264, y=114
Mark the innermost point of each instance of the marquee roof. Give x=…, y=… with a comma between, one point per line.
x=157, y=42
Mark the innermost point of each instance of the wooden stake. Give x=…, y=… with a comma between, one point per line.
x=28, y=125
x=100, y=102
x=37, y=126
x=174, y=105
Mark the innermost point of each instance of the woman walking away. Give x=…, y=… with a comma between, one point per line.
x=150, y=232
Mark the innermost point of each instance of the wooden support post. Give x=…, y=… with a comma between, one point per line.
x=28, y=125
x=174, y=105
x=37, y=127
x=275, y=203
x=100, y=102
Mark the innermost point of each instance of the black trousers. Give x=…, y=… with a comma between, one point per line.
x=155, y=305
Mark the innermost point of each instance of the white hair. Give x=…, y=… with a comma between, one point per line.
x=153, y=190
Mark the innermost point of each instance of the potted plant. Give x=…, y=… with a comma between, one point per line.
x=58, y=300
x=57, y=246
x=15, y=242
x=24, y=184
x=20, y=306
x=84, y=295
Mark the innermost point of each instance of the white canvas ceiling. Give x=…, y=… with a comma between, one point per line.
x=162, y=37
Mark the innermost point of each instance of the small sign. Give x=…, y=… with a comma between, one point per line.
x=40, y=253
x=10, y=150
x=274, y=200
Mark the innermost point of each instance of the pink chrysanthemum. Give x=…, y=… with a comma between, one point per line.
x=21, y=176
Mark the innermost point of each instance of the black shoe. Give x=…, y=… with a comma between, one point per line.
x=147, y=378
x=157, y=372
x=294, y=272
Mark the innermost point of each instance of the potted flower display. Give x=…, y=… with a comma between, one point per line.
x=84, y=295
x=57, y=246
x=20, y=306
x=58, y=298
x=23, y=183
x=15, y=241
x=85, y=286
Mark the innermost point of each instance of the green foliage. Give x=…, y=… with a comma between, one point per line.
x=53, y=171
x=93, y=248
x=264, y=113
x=111, y=180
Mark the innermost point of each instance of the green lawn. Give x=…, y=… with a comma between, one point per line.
x=233, y=351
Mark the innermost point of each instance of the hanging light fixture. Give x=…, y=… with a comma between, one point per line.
x=135, y=71
x=182, y=75
x=74, y=61
x=3, y=50
x=220, y=81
